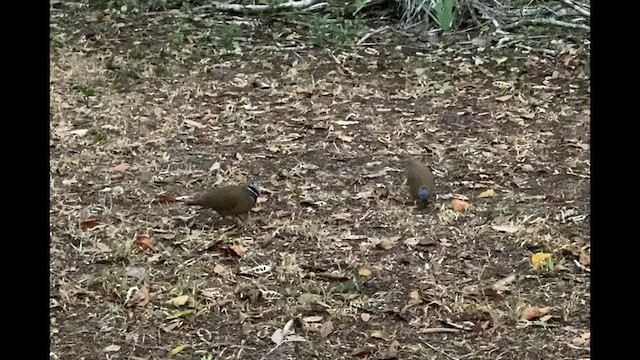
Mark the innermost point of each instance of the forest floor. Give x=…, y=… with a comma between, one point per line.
x=334, y=262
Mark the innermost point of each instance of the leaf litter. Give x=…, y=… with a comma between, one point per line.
x=165, y=121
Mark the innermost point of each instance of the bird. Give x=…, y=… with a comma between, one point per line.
x=228, y=200
x=420, y=182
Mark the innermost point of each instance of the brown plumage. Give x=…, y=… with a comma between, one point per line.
x=229, y=200
x=420, y=182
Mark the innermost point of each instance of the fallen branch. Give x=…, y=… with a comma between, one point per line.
x=576, y=7
x=307, y=5
x=546, y=22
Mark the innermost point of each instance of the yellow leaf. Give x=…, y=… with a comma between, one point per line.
x=363, y=271
x=539, y=259
x=178, y=301
x=487, y=193
x=501, y=60
x=178, y=348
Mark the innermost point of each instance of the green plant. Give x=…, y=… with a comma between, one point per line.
x=442, y=12
x=177, y=36
x=336, y=32
x=227, y=34
x=207, y=357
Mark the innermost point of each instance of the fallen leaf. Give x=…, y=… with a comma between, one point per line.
x=166, y=199
x=326, y=328
x=507, y=228
x=362, y=351
x=585, y=259
x=363, y=271
x=365, y=317
x=487, y=193
x=192, y=123
x=381, y=335
x=121, y=167
x=179, y=314
x=178, y=301
x=178, y=348
x=219, y=269
x=459, y=205
x=112, y=348
x=89, y=223
x=387, y=244
x=540, y=259
x=144, y=242
x=140, y=298
x=382, y=172
x=414, y=297
x=504, y=98
x=584, y=339
x=534, y=312
x=239, y=250
x=503, y=284
x=412, y=241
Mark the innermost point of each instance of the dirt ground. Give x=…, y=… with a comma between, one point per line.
x=334, y=262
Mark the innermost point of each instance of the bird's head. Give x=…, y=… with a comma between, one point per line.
x=424, y=196
x=254, y=190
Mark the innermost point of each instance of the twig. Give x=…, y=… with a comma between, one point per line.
x=546, y=22
x=369, y=34
x=292, y=4
x=576, y=7
x=441, y=352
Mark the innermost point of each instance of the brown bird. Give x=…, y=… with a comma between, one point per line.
x=229, y=200
x=420, y=182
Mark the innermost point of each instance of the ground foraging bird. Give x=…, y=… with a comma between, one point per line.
x=229, y=200
x=420, y=182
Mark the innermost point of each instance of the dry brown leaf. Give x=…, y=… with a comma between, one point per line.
x=504, y=98
x=144, y=242
x=89, y=223
x=365, y=317
x=195, y=124
x=141, y=297
x=166, y=199
x=239, y=250
x=219, y=269
x=387, y=244
x=459, y=205
x=363, y=271
x=534, y=312
x=122, y=167
x=382, y=172
x=326, y=328
x=583, y=340
x=585, y=259
x=381, y=335
x=414, y=297
x=510, y=229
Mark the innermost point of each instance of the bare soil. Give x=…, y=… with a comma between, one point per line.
x=145, y=112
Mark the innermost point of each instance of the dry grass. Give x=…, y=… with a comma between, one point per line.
x=359, y=272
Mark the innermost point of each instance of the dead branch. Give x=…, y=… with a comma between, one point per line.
x=576, y=7
x=555, y=22
x=307, y=5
